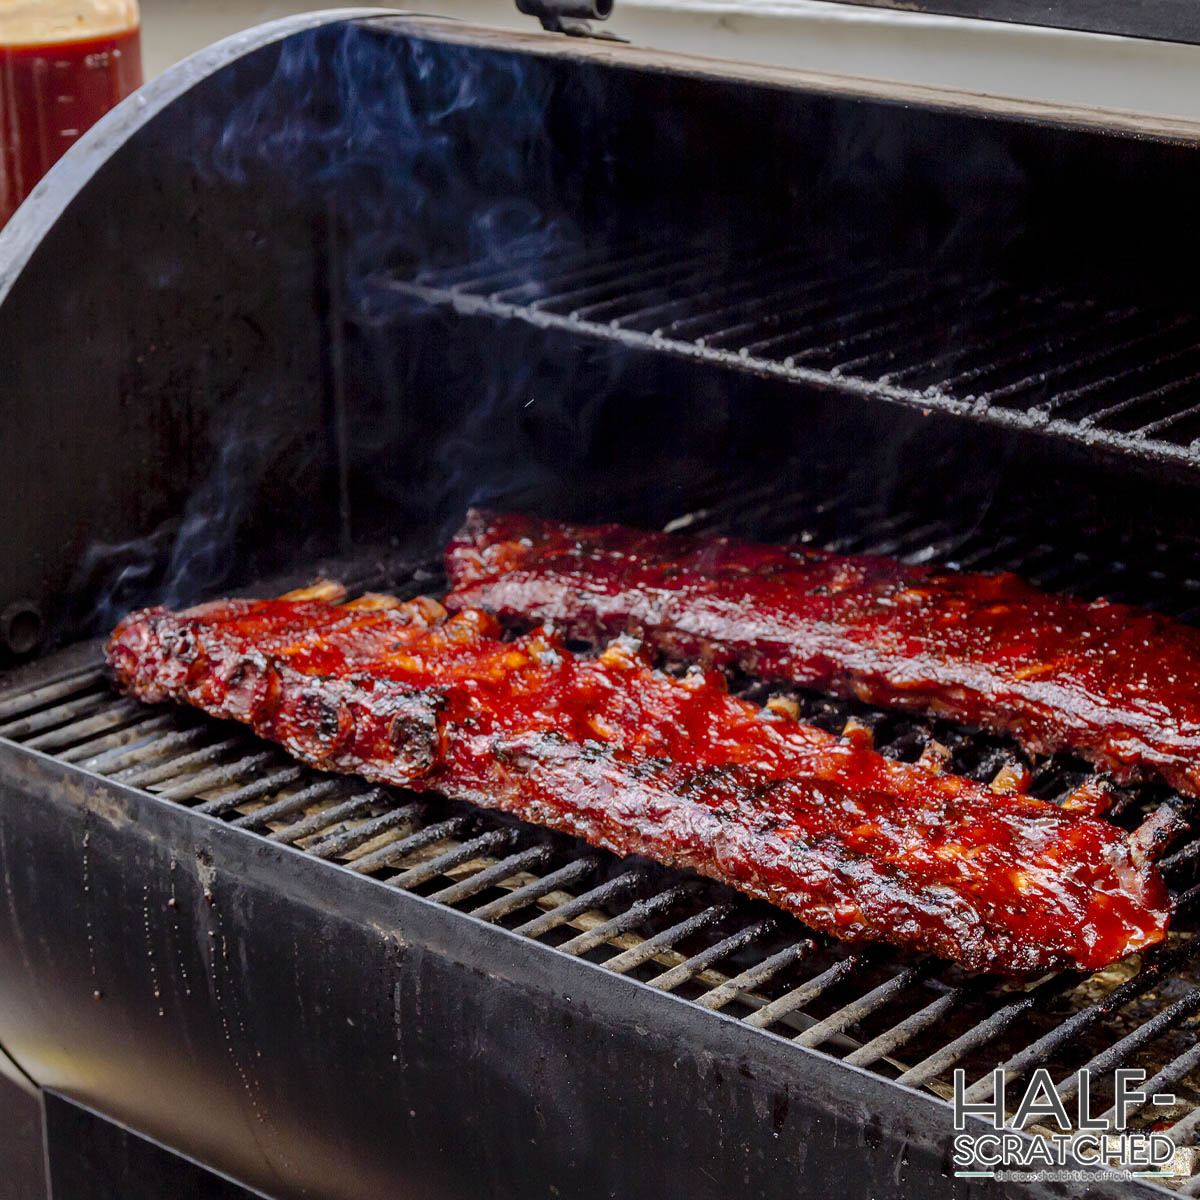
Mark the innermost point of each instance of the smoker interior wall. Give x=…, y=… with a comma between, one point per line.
x=166, y=336
x=200, y=384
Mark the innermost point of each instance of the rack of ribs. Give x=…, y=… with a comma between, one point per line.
x=638, y=761
x=1115, y=685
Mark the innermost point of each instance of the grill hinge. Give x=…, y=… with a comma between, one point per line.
x=571, y=17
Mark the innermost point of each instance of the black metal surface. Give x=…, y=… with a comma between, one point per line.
x=233, y=430
x=91, y=1158
x=22, y=1141
x=1164, y=20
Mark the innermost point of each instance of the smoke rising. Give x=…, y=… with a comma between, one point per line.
x=368, y=146
x=356, y=155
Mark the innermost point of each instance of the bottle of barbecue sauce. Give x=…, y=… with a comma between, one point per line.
x=63, y=65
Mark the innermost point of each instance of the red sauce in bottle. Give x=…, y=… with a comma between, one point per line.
x=52, y=93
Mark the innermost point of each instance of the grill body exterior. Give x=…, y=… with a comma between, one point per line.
x=273, y=358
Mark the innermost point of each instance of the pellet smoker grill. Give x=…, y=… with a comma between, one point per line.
x=300, y=303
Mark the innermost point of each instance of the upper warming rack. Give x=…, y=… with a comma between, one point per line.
x=1059, y=360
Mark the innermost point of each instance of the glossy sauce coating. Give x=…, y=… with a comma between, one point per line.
x=1117, y=685
x=637, y=761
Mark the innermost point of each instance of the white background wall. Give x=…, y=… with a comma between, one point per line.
x=982, y=56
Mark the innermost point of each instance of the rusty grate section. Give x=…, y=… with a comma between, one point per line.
x=1061, y=361
x=912, y=1019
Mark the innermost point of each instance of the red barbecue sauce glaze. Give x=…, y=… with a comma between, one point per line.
x=637, y=761
x=1118, y=685
x=50, y=94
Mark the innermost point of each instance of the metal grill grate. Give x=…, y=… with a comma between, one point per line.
x=909, y=1018
x=1062, y=361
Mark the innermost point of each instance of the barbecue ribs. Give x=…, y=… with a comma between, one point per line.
x=637, y=761
x=1116, y=685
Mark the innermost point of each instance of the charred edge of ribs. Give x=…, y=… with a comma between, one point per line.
x=607, y=749
x=332, y=723
x=1116, y=685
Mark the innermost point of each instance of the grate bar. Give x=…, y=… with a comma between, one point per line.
x=636, y=955
x=48, y=718
x=625, y=289
x=757, y=975
x=900, y=1035
x=1185, y=1129
x=385, y=856
x=634, y=915
x=144, y=775
x=590, y=303
x=342, y=841
x=876, y=998
x=193, y=785
x=1171, y=419
x=574, y=872
x=314, y=794
x=47, y=693
x=139, y=752
x=1108, y=351
x=1187, y=853
x=266, y=786
x=669, y=980
x=563, y=292
x=809, y=319
x=640, y=297
x=95, y=749
x=1141, y=367
x=748, y=296
x=807, y=992
x=590, y=899
x=538, y=291
x=114, y=716
x=1139, y=400
x=467, y=278
x=492, y=840
x=1055, y=336
x=497, y=873
x=1007, y=348
x=880, y=338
